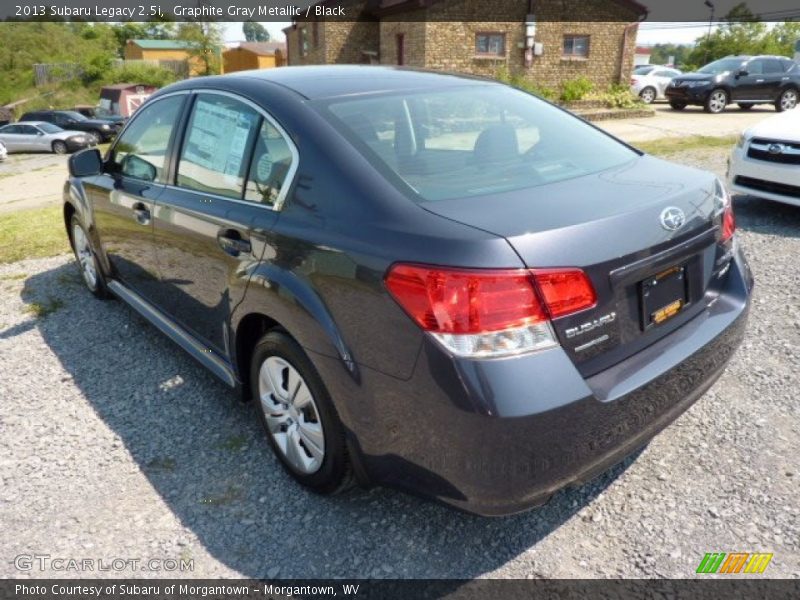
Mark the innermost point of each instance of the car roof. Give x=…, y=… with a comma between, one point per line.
x=327, y=81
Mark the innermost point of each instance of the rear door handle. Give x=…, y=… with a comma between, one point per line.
x=142, y=213
x=232, y=243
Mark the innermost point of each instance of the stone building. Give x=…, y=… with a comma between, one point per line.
x=537, y=39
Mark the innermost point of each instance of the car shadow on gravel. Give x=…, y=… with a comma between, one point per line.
x=765, y=216
x=203, y=452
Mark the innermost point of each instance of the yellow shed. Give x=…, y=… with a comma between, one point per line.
x=254, y=55
x=161, y=50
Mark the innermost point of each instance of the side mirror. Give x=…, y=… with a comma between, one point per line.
x=86, y=163
x=741, y=73
x=138, y=168
x=39, y=133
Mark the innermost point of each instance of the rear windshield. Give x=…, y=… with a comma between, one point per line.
x=475, y=140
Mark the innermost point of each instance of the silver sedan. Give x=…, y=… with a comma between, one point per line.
x=39, y=136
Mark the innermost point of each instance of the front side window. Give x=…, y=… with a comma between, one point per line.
x=215, y=151
x=490, y=44
x=49, y=128
x=473, y=140
x=576, y=46
x=141, y=151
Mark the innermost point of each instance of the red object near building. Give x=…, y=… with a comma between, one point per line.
x=124, y=98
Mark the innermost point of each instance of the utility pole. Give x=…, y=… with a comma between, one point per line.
x=710, y=5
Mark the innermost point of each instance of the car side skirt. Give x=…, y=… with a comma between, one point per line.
x=204, y=355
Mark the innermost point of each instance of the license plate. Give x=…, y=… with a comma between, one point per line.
x=663, y=295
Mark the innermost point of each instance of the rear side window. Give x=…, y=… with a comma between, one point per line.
x=141, y=151
x=215, y=153
x=270, y=165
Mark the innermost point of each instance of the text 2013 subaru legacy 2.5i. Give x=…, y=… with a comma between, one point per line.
x=437, y=283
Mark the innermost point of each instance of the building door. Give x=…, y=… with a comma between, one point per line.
x=401, y=48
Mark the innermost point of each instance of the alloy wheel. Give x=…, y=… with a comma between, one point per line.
x=718, y=101
x=788, y=100
x=648, y=95
x=292, y=416
x=59, y=147
x=85, y=256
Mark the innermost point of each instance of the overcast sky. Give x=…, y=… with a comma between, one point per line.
x=649, y=33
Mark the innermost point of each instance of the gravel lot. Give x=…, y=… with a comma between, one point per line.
x=114, y=444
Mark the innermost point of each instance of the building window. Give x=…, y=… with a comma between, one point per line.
x=490, y=44
x=303, y=31
x=576, y=46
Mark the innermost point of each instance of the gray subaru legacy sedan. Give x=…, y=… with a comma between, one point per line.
x=421, y=280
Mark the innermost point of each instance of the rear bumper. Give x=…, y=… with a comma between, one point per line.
x=501, y=436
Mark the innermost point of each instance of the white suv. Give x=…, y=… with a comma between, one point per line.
x=766, y=160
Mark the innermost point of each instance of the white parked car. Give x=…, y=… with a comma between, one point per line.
x=766, y=160
x=3, y=152
x=650, y=82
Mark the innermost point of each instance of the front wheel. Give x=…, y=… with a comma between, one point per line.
x=60, y=147
x=648, y=95
x=87, y=261
x=675, y=105
x=787, y=100
x=716, y=102
x=298, y=416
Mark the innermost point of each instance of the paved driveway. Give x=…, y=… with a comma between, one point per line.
x=690, y=121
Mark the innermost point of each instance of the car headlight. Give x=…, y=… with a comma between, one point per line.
x=104, y=126
x=742, y=141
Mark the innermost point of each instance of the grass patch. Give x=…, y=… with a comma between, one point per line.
x=233, y=443
x=14, y=277
x=673, y=145
x=32, y=233
x=42, y=309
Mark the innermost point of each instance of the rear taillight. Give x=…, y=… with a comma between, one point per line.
x=728, y=222
x=489, y=312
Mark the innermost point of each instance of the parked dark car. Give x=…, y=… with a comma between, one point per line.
x=97, y=130
x=745, y=80
x=432, y=282
x=97, y=112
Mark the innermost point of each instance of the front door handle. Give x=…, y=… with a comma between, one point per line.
x=141, y=213
x=232, y=243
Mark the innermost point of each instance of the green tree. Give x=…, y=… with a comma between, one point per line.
x=204, y=45
x=740, y=32
x=255, y=32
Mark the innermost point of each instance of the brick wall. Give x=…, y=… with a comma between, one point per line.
x=446, y=39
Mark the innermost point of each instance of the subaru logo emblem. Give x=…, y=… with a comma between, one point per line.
x=672, y=218
x=775, y=149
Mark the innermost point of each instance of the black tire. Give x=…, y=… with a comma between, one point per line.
x=787, y=100
x=648, y=95
x=745, y=106
x=675, y=105
x=96, y=286
x=335, y=474
x=716, y=102
x=60, y=147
